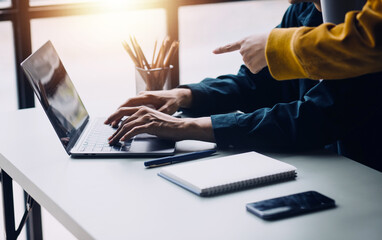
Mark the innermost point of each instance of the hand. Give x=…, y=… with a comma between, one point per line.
x=147, y=120
x=252, y=49
x=166, y=101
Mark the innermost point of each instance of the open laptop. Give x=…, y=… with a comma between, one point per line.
x=80, y=135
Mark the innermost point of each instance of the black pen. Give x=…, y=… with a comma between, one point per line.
x=178, y=158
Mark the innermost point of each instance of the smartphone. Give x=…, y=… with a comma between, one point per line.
x=291, y=205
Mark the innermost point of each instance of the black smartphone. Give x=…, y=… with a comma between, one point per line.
x=291, y=205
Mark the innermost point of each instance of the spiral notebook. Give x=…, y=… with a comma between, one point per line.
x=227, y=174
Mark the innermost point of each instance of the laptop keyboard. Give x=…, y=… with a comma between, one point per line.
x=97, y=140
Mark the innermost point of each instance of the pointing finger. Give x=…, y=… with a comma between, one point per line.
x=228, y=48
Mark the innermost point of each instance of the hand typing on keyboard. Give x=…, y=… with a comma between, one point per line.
x=142, y=119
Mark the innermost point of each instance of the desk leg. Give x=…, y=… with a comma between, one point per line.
x=8, y=207
x=34, y=227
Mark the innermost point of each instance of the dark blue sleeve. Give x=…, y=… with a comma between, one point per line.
x=244, y=91
x=300, y=124
x=302, y=14
x=344, y=113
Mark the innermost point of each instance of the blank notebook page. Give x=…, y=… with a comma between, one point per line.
x=227, y=170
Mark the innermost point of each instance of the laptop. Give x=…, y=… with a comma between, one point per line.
x=80, y=135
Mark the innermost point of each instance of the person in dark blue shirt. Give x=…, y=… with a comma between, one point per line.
x=255, y=111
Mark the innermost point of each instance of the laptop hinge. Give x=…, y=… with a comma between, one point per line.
x=76, y=136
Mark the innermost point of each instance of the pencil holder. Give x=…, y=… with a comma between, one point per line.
x=152, y=79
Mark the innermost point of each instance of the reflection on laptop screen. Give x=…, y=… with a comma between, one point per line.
x=56, y=92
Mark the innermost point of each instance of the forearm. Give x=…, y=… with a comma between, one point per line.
x=329, y=52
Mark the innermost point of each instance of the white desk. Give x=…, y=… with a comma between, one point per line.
x=120, y=199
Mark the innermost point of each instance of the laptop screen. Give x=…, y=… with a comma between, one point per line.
x=56, y=92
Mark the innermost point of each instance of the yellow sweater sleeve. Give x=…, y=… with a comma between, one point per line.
x=329, y=51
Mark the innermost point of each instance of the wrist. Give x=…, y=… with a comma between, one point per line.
x=199, y=129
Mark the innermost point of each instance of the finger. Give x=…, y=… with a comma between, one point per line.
x=228, y=48
x=113, y=121
x=116, y=131
x=135, y=131
x=128, y=120
x=137, y=101
x=119, y=114
x=122, y=131
x=119, y=128
x=113, y=117
x=116, y=136
x=165, y=109
x=139, y=117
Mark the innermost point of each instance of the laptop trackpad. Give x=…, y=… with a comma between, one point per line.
x=150, y=145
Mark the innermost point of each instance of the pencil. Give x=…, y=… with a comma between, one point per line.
x=166, y=45
x=136, y=53
x=159, y=56
x=162, y=55
x=171, y=53
x=155, y=48
x=130, y=52
x=142, y=54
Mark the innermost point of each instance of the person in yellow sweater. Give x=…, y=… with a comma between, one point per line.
x=329, y=51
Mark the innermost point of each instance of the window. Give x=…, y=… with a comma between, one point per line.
x=8, y=89
x=5, y=3
x=91, y=50
x=54, y=2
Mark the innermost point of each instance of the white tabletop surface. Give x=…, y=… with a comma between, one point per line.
x=120, y=199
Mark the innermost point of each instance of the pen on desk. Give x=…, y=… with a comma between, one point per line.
x=178, y=158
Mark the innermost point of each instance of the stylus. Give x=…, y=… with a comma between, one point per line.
x=178, y=158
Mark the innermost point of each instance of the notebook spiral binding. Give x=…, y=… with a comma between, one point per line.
x=245, y=184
